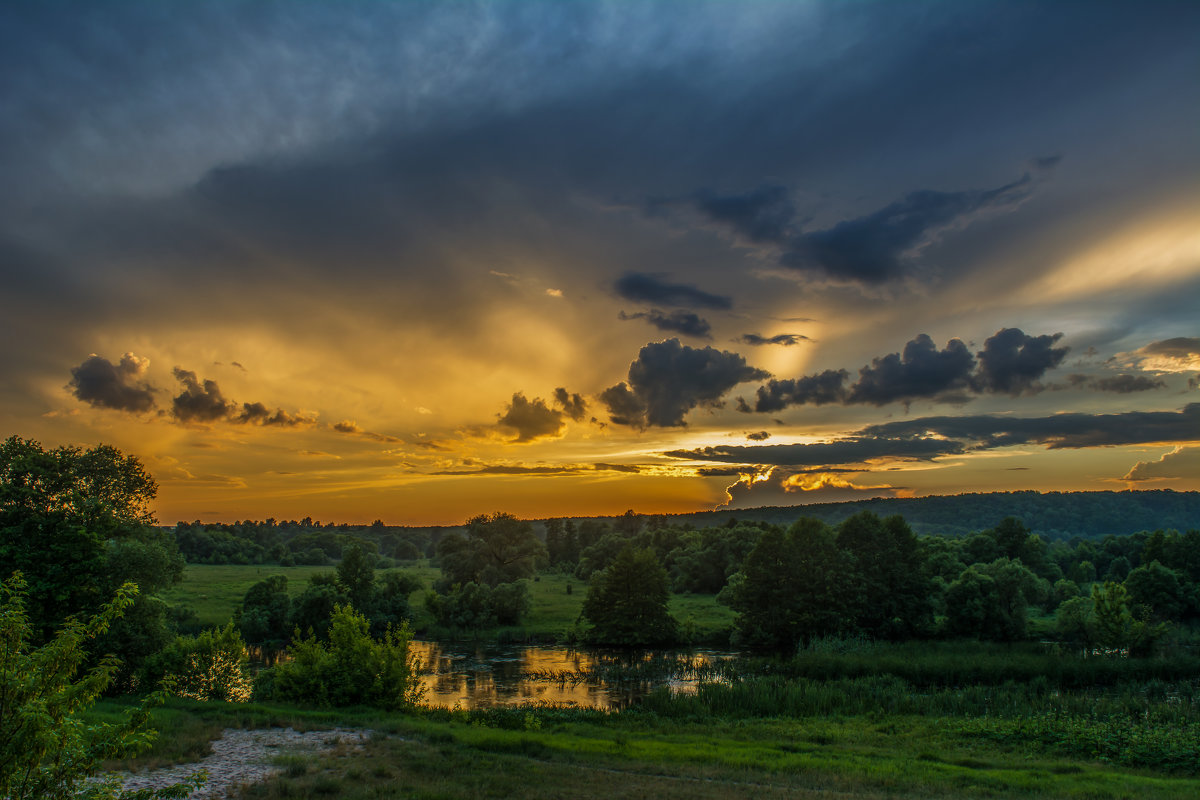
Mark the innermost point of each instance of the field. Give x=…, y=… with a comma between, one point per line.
x=546, y=753
x=215, y=591
x=846, y=718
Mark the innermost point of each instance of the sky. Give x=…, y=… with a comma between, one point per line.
x=420, y=261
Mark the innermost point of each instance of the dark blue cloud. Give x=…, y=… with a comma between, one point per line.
x=685, y=322
x=651, y=289
x=669, y=379
x=1012, y=362
x=763, y=214
x=785, y=339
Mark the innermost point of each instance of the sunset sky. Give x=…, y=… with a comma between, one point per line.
x=421, y=261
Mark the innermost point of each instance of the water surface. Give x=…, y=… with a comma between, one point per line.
x=482, y=676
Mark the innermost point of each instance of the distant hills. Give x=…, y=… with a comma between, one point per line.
x=1053, y=515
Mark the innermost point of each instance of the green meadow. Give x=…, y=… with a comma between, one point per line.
x=214, y=592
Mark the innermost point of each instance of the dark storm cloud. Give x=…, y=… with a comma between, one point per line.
x=202, y=401
x=882, y=246
x=785, y=339
x=852, y=450
x=761, y=215
x=922, y=371
x=259, y=414
x=669, y=379
x=532, y=419
x=1060, y=431
x=1013, y=362
x=642, y=288
x=99, y=382
x=199, y=402
x=1119, y=384
x=685, y=322
x=816, y=390
x=573, y=405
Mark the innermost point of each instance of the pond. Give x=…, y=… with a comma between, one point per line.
x=481, y=676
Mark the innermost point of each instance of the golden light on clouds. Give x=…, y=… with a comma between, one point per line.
x=1141, y=256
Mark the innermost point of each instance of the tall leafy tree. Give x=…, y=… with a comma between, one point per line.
x=626, y=603
x=894, y=588
x=498, y=548
x=77, y=524
x=792, y=586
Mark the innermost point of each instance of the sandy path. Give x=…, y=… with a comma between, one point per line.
x=242, y=756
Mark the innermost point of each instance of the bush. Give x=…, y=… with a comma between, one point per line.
x=209, y=666
x=353, y=669
x=46, y=751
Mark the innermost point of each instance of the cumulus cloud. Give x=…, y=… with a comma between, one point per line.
x=641, y=288
x=1182, y=462
x=921, y=371
x=532, y=419
x=669, y=379
x=785, y=339
x=199, y=402
x=817, y=390
x=783, y=487
x=121, y=386
x=573, y=405
x=352, y=428
x=259, y=414
x=1012, y=362
x=758, y=436
x=686, y=322
x=202, y=401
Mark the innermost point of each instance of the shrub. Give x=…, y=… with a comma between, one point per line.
x=209, y=666
x=353, y=669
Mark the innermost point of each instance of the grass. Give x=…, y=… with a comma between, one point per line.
x=546, y=752
x=215, y=591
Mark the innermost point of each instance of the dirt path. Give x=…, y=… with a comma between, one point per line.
x=241, y=757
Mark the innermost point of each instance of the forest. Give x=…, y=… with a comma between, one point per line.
x=1000, y=659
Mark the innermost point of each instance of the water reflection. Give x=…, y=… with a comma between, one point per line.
x=482, y=676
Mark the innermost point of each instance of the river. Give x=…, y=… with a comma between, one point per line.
x=481, y=676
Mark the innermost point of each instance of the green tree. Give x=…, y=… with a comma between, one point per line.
x=265, y=612
x=46, y=750
x=498, y=548
x=626, y=603
x=313, y=609
x=991, y=601
x=77, y=524
x=792, y=586
x=1157, y=592
x=356, y=574
x=893, y=583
